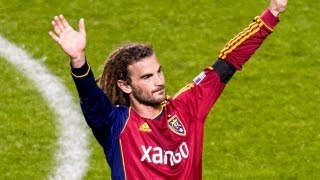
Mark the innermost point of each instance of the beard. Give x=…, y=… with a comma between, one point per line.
x=148, y=99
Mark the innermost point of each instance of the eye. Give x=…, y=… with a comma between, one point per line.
x=145, y=77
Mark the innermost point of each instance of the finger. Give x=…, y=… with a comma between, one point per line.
x=53, y=36
x=59, y=23
x=65, y=23
x=56, y=28
x=81, y=26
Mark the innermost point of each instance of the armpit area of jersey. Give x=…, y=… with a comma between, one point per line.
x=224, y=70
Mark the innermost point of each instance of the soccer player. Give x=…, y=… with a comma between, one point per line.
x=144, y=133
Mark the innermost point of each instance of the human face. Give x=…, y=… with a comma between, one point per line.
x=147, y=82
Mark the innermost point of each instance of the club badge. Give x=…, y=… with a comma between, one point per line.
x=176, y=126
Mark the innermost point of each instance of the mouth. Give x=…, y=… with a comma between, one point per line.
x=159, y=90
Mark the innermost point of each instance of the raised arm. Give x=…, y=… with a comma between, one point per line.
x=102, y=116
x=239, y=49
x=209, y=84
x=95, y=105
x=71, y=41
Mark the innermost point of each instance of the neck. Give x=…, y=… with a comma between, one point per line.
x=146, y=111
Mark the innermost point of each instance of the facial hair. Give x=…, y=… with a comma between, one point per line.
x=147, y=99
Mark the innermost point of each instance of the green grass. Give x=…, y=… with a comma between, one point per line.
x=264, y=126
x=27, y=129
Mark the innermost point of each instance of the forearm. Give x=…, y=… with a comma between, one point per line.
x=239, y=49
x=83, y=79
x=95, y=105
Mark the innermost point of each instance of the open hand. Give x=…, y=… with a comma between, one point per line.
x=71, y=41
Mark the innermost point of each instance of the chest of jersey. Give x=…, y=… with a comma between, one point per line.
x=158, y=147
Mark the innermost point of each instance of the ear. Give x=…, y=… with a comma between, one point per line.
x=124, y=86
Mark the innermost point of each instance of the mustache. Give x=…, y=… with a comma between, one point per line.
x=160, y=88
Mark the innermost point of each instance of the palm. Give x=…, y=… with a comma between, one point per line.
x=71, y=41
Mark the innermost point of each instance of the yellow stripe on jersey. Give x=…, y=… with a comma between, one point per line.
x=129, y=112
x=260, y=21
x=187, y=87
x=242, y=36
x=123, y=164
x=236, y=39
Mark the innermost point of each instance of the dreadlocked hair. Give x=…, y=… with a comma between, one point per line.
x=116, y=68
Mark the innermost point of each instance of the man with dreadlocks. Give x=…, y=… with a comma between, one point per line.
x=144, y=134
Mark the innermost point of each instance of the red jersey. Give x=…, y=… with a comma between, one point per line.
x=168, y=146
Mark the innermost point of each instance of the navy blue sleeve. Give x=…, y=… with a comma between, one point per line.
x=105, y=119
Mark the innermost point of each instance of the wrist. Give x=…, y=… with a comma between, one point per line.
x=276, y=7
x=78, y=61
x=82, y=71
x=273, y=11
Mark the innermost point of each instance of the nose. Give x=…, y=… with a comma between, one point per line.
x=159, y=80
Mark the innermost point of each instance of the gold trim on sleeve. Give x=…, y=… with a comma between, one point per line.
x=84, y=75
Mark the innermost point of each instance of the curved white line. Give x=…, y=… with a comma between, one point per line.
x=73, y=154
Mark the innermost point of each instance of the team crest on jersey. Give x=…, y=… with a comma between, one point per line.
x=176, y=126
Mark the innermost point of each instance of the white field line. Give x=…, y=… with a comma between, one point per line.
x=73, y=154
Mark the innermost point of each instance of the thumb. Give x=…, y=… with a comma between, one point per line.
x=81, y=26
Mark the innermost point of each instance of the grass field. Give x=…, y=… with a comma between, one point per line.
x=264, y=126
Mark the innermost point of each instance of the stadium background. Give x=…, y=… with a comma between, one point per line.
x=265, y=125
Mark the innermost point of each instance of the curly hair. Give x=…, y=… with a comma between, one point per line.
x=116, y=68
